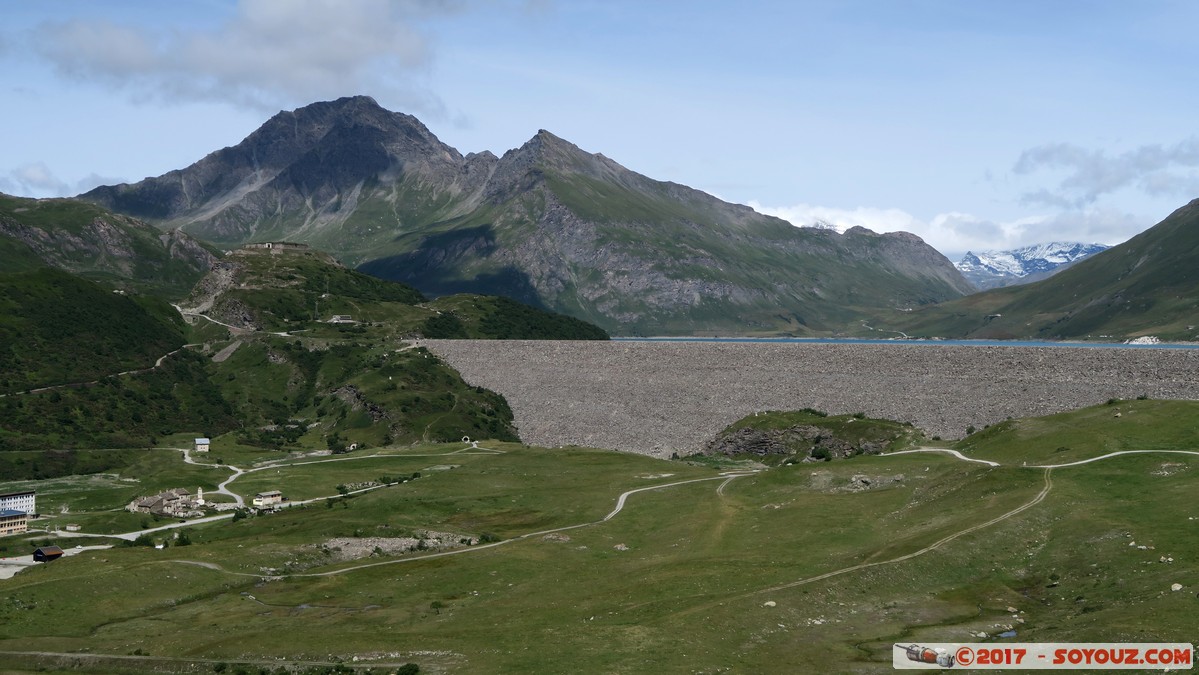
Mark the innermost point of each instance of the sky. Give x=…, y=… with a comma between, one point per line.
x=975, y=124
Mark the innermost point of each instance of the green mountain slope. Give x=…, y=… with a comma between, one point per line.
x=82, y=366
x=93, y=242
x=1148, y=285
x=547, y=224
x=56, y=328
x=291, y=287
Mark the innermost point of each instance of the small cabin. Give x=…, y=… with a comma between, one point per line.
x=202, y=444
x=47, y=553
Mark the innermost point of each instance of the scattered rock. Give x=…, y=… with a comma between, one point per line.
x=621, y=547
x=556, y=536
x=769, y=603
x=1176, y=587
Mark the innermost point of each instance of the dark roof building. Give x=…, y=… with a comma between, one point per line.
x=47, y=553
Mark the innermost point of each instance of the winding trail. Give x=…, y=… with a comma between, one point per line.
x=955, y=453
x=931, y=547
x=79, y=385
x=1040, y=497
x=621, y=501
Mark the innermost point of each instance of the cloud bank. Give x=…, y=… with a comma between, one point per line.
x=270, y=54
x=37, y=180
x=1156, y=170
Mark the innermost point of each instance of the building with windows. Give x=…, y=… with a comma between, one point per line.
x=13, y=521
x=25, y=500
x=202, y=444
x=266, y=500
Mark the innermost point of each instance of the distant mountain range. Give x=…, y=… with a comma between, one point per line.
x=994, y=269
x=547, y=224
x=1149, y=285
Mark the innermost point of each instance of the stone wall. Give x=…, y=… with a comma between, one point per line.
x=661, y=397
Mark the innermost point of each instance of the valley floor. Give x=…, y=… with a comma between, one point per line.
x=625, y=563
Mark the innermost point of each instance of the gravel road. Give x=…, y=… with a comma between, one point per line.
x=661, y=397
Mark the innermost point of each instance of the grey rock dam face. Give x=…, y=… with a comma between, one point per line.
x=657, y=398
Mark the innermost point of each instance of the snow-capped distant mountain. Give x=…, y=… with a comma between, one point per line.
x=821, y=224
x=992, y=269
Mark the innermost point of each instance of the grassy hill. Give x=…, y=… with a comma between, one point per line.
x=95, y=243
x=493, y=317
x=56, y=328
x=1148, y=285
x=796, y=568
x=86, y=368
x=303, y=289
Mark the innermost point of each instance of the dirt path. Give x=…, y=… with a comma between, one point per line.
x=77, y=385
x=931, y=547
x=955, y=453
x=620, y=505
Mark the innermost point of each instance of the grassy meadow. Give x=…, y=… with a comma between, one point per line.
x=709, y=576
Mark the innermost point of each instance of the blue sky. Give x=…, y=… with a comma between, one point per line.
x=975, y=124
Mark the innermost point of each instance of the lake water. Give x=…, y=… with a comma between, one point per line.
x=962, y=343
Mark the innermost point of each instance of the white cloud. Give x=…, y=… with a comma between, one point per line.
x=271, y=54
x=1152, y=169
x=954, y=233
x=35, y=179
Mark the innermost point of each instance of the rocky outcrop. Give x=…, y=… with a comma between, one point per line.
x=806, y=441
x=353, y=397
x=83, y=239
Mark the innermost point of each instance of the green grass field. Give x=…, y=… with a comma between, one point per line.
x=681, y=580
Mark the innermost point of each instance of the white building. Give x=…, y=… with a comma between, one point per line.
x=19, y=501
x=202, y=444
x=267, y=499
